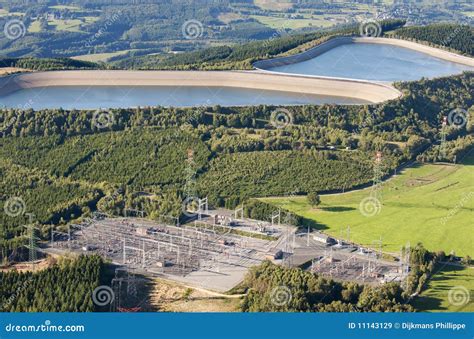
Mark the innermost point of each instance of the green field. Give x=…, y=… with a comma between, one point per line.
x=98, y=57
x=4, y=12
x=432, y=204
x=35, y=27
x=71, y=8
x=280, y=22
x=70, y=25
x=458, y=280
x=74, y=25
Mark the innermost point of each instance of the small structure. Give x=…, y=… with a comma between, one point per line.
x=274, y=254
x=226, y=242
x=223, y=220
x=161, y=264
x=143, y=231
x=87, y=248
x=323, y=238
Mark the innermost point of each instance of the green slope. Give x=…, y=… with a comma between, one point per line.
x=432, y=204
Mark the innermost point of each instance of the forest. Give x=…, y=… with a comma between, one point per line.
x=33, y=196
x=454, y=37
x=71, y=167
x=66, y=286
x=70, y=28
x=47, y=64
x=242, y=56
x=457, y=38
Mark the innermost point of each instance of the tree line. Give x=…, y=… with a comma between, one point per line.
x=64, y=287
x=454, y=37
x=274, y=288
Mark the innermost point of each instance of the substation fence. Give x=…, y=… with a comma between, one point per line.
x=153, y=247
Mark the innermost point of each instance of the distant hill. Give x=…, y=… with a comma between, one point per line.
x=455, y=37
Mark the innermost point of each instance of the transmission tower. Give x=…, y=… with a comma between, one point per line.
x=190, y=175
x=239, y=211
x=289, y=244
x=377, y=180
x=405, y=265
x=131, y=285
x=117, y=288
x=203, y=207
x=32, y=247
x=276, y=216
x=442, y=145
x=378, y=247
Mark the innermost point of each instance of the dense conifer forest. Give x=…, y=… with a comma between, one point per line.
x=457, y=38
x=64, y=287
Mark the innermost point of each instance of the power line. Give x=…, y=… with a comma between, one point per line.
x=443, y=143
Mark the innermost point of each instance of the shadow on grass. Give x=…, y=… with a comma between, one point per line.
x=425, y=303
x=337, y=209
x=439, y=292
x=127, y=298
x=313, y=224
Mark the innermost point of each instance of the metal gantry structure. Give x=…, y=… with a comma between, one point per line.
x=133, y=212
x=405, y=264
x=276, y=216
x=32, y=246
x=203, y=207
x=443, y=135
x=239, y=211
x=377, y=245
x=32, y=238
x=289, y=239
x=376, y=191
x=190, y=176
x=125, y=278
x=156, y=248
x=60, y=239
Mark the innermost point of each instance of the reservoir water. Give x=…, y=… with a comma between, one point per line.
x=85, y=97
x=365, y=61
x=374, y=62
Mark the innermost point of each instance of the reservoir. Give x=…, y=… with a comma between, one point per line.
x=94, y=97
x=340, y=71
x=377, y=62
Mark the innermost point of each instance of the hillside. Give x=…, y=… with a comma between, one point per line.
x=428, y=203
